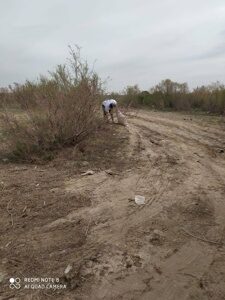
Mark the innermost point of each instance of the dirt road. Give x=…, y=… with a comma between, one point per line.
x=172, y=247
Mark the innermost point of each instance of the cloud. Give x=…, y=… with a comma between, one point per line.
x=133, y=41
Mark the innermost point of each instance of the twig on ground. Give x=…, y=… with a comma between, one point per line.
x=88, y=226
x=188, y=274
x=75, y=136
x=49, y=295
x=2, y=186
x=9, y=212
x=25, y=208
x=201, y=239
x=22, y=275
x=9, y=297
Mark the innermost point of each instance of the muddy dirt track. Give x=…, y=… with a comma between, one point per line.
x=170, y=248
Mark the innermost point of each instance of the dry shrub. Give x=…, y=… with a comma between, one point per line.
x=52, y=112
x=176, y=96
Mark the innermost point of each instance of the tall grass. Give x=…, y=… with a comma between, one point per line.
x=52, y=112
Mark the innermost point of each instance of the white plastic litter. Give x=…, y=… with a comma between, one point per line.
x=68, y=269
x=139, y=200
x=89, y=172
x=121, y=119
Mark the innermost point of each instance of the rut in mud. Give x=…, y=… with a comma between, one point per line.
x=173, y=247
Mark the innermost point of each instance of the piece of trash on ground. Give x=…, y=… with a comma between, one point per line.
x=68, y=269
x=121, y=119
x=139, y=200
x=89, y=172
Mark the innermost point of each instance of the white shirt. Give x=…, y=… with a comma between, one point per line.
x=107, y=103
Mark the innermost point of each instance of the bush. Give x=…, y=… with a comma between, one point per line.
x=130, y=97
x=52, y=112
x=176, y=96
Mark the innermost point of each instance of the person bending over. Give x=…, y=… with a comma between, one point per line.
x=109, y=106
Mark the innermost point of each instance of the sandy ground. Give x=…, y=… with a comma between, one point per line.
x=172, y=247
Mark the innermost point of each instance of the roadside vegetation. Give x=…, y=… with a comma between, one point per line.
x=63, y=109
x=169, y=95
x=55, y=111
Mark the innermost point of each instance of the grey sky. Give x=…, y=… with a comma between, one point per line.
x=134, y=41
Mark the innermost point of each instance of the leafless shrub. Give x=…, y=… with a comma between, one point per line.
x=53, y=112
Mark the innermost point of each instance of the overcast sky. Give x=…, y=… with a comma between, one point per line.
x=133, y=41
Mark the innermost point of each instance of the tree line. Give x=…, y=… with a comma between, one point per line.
x=176, y=96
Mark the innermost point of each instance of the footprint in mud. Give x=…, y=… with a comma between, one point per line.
x=198, y=207
x=104, y=264
x=195, y=208
x=132, y=261
x=156, y=237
